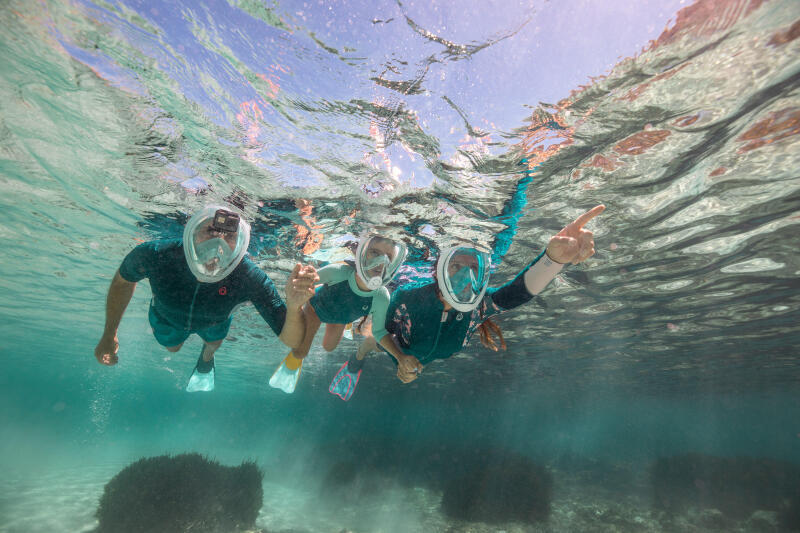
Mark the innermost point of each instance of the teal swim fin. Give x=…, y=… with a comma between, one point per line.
x=345, y=382
x=286, y=376
x=202, y=379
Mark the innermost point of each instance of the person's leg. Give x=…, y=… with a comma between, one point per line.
x=166, y=335
x=206, y=360
x=312, y=326
x=209, y=348
x=367, y=345
x=212, y=340
x=333, y=334
x=286, y=376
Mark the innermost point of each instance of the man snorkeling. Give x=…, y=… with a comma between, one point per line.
x=197, y=282
x=350, y=291
x=437, y=320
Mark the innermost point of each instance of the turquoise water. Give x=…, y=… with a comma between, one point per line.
x=498, y=122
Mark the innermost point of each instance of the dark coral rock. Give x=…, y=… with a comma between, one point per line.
x=180, y=494
x=737, y=486
x=789, y=517
x=341, y=475
x=504, y=488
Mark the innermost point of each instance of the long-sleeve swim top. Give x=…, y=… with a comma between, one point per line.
x=191, y=305
x=337, y=302
x=425, y=330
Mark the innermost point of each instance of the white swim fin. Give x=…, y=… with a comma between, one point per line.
x=201, y=381
x=286, y=376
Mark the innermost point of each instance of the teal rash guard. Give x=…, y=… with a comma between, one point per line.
x=425, y=330
x=189, y=305
x=337, y=302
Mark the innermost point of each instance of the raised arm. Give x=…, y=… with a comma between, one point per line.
x=119, y=295
x=299, y=289
x=573, y=244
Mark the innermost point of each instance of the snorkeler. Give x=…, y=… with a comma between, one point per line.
x=437, y=320
x=349, y=291
x=197, y=282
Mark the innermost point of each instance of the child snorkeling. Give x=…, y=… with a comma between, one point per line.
x=349, y=291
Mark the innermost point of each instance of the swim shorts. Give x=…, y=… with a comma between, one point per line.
x=168, y=335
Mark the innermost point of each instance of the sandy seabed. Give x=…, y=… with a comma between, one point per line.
x=65, y=501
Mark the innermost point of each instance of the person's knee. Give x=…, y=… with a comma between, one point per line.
x=174, y=349
x=331, y=340
x=213, y=346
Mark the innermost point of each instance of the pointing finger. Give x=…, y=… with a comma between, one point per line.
x=582, y=220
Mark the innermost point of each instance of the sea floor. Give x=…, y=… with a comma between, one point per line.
x=65, y=500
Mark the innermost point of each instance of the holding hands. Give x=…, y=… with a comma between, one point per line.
x=300, y=285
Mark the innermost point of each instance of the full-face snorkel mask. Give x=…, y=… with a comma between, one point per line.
x=214, y=243
x=378, y=259
x=462, y=273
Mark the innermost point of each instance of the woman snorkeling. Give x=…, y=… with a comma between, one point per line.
x=349, y=291
x=437, y=320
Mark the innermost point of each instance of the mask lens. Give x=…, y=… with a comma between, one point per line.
x=463, y=282
x=213, y=249
x=466, y=276
x=378, y=259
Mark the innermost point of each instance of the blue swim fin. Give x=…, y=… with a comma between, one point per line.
x=202, y=379
x=345, y=382
x=286, y=376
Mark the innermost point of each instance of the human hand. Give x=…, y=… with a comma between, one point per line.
x=408, y=368
x=106, y=350
x=406, y=377
x=408, y=364
x=573, y=244
x=300, y=285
